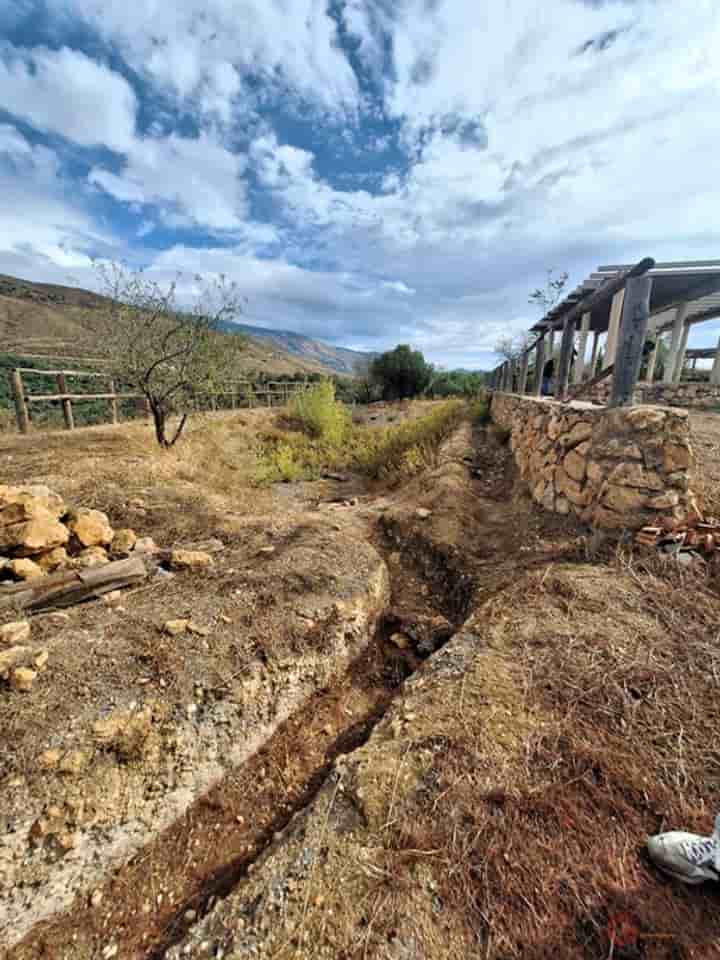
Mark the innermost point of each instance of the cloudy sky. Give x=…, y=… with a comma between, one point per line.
x=368, y=171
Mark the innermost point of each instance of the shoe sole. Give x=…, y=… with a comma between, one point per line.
x=691, y=881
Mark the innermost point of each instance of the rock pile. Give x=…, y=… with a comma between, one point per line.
x=40, y=533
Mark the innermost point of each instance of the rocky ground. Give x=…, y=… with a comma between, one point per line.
x=429, y=721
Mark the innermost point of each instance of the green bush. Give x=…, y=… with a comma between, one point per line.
x=319, y=413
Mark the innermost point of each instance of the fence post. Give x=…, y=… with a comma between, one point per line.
x=66, y=404
x=21, y=410
x=113, y=402
x=632, y=333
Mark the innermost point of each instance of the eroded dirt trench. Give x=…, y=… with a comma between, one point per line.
x=447, y=539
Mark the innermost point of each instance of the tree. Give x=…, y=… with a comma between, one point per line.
x=170, y=355
x=511, y=347
x=401, y=373
x=546, y=297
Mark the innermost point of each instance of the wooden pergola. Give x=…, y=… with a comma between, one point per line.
x=624, y=303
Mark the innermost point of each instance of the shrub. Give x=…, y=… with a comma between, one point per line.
x=319, y=413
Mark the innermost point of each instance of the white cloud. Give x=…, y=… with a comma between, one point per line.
x=192, y=179
x=292, y=45
x=63, y=91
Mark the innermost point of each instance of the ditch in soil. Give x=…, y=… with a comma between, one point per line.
x=148, y=904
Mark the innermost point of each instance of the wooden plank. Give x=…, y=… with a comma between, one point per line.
x=539, y=364
x=45, y=397
x=66, y=404
x=64, y=373
x=72, y=586
x=633, y=331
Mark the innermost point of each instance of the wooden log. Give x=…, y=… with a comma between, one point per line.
x=566, y=350
x=539, y=364
x=579, y=368
x=66, y=403
x=21, y=410
x=72, y=586
x=613, y=334
x=633, y=331
x=680, y=362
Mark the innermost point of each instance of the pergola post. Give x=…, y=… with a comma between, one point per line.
x=522, y=386
x=579, y=369
x=551, y=343
x=680, y=362
x=652, y=360
x=715, y=372
x=676, y=337
x=566, y=348
x=539, y=364
x=633, y=330
x=594, y=355
x=616, y=311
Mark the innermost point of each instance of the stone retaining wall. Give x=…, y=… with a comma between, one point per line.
x=694, y=396
x=615, y=469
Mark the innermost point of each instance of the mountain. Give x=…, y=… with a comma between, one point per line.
x=338, y=359
x=56, y=321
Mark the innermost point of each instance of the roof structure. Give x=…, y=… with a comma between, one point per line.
x=696, y=283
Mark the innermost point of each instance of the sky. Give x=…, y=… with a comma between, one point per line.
x=369, y=172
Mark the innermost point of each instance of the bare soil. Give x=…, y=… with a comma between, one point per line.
x=487, y=799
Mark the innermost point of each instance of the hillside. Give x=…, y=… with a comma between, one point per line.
x=49, y=319
x=339, y=359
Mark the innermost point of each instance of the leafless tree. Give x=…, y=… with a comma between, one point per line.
x=169, y=354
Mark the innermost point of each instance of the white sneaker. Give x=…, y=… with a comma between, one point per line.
x=687, y=856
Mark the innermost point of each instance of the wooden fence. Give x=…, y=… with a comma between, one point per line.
x=238, y=393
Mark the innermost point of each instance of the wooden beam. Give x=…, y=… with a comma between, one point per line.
x=633, y=330
x=677, y=330
x=524, y=360
x=594, y=354
x=579, y=369
x=64, y=373
x=652, y=360
x=539, y=364
x=562, y=379
x=611, y=343
x=66, y=403
x=680, y=362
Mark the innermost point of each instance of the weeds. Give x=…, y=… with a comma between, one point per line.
x=400, y=450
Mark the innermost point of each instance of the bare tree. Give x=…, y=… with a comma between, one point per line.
x=168, y=354
x=546, y=297
x=510, y=347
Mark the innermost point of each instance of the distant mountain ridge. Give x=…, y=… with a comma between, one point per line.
x=51, y=318
x=340, y=359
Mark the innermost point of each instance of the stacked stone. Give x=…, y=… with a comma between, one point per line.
x=39, y=534
x=622, y=468
x=694, y=396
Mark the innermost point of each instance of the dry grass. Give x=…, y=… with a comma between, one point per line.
x=619, y=672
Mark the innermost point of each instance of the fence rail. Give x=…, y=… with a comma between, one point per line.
x=241, y=392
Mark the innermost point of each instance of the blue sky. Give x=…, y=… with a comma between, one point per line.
x=368, y=171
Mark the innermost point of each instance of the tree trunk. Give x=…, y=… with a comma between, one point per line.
x=159, y=419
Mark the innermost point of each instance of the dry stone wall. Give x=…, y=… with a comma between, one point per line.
x=694, y=396
x=615, y=469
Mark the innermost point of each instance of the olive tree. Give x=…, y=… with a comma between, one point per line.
x=170, y=354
